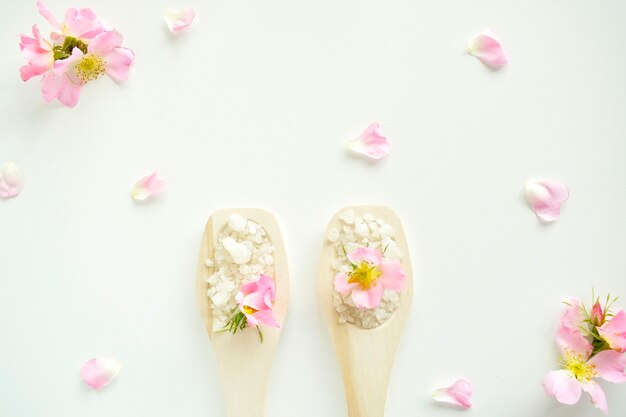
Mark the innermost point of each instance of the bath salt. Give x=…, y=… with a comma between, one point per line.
x=355, y=232
x=242, y=252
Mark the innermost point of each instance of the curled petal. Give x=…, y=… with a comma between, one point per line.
x=598, y=399
x=392, y=275
x=342, y=285
x=11, y=180
x=459, y=394
x=563, y=386
x=179, y=20
x=369, y=255
x=261, y=284
x=99, y=372
x=371, y=143
x=610, y=366
x=38, y=54
x=148, y=186
x=546, y=198
x=488, y=49
x=47, y=14
x=614, y=332
x=62, y=88
x=369, y=298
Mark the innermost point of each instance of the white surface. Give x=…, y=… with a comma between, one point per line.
x=251, y=107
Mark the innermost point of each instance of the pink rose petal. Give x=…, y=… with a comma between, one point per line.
x=563, y=386
x=371, y=143
x=598, y=398
x=99, y=372
x=614, y=332
x=458, y=394
x=546, y=197
x=610, y=366
x=488, y=49
x=11, y=180
x=179, y=20
x=148, y=186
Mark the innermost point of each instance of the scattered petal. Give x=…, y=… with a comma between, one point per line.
x=11, y=180
x=371, y=143
x=148, y=186
x=179, y=20
x=459, y=394
x=546, y=197
x=99, y=372
x=488, y=49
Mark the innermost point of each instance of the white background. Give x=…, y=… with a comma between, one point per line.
x=252, y=107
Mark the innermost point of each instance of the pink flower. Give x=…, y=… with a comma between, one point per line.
x=614, y=332
x=255, y=301
x=546, y=197
x=82, y=24
x=488, y=49
x=11, y=180
x=99, y=372
x=579, y=368
x=148, y=186
x=179, y=20
x=371, y=143
x=369, y=277
x=38, y=54
x=459, y=394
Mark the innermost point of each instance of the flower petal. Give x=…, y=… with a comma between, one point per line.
x=573, y=341
x=371, y=143
x=11, y=180
x=82, y=23
x=262, y=284
x=256, y=300
x=179, y=20
x=563, y=386
x=60, y=87
x=546, y=197
x=99, y=372
x=459, y=394
x=488, y=49
x=392, y=275
x=573, y=314
x=105, y=42
x=342, y=285
x=267, y=318
x=119, y=61
x=614, y=332
x=369, y=255
x=47, y=14
x=148, y=186
x=597, y=396
x=610, y=365
x=369, y=298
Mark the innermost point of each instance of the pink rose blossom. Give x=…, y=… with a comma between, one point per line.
x=371, y=143
x=488, y=49
x=459, y=394
x=546, y=197
x=369, y=277
x=614, y=332
x=99, y=372
x=255, y=301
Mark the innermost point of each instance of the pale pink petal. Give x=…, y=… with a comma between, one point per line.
x=392, y=275
x=573, y=341
x=82, y=23
x=99, y=372
x=488, y=49
x=38, y=54
x=60, y=87
x=371, y=143
x=610, y=365
x=179, y=20
x=563, y=386
x=251, y=320
x=148, y=186
x=105, y=42
x=614, y=331
x=546, y=197
x=267, y=318
x=262, y=284
x=256, y=300
x=11, y=180
x=597, y=396
x=32, y=70
x=47, y=14
x=369, y=298
x=459, y=394
x=342, y=285
x=369, y=255
x=573, y=315
x=118, y=63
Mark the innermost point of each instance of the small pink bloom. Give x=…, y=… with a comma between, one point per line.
x=369, y=277
x=488, y=49
x=459, y=394
x=371, y=143
x=148, y=187
x=38, y=54
x=597, y=315
x=546, y=198
x=255, y=301
x=614, y=332
x=179, y=20
x=82, y=24
x=99, y=372
x=11, y=180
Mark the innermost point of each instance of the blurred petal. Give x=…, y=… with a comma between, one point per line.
x=459, y=394
x=179, y=20
x=597, y=396
x=371, y=143
x=563, y=386
x=546, y=197
x=614, y=332
x=392, y=275
x=489, y=50
x=148, y=186
x=610, y=365
x=11, y=180
x=99, y=372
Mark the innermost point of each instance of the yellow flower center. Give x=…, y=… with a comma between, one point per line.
x=579, y=367
x=249, y=310
x=90, y=67
x=365, y=275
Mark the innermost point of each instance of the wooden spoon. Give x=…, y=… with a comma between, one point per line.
x=365, y=355
x=244, y=362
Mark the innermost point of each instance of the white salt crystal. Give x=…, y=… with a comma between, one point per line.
x=347, y=216
x=333, y=235
x=386, y=231
x=239, y=252
x=237, y=222
x=361, y=229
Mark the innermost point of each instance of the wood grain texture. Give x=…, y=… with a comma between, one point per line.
x=366, y=356
x=244, y=363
